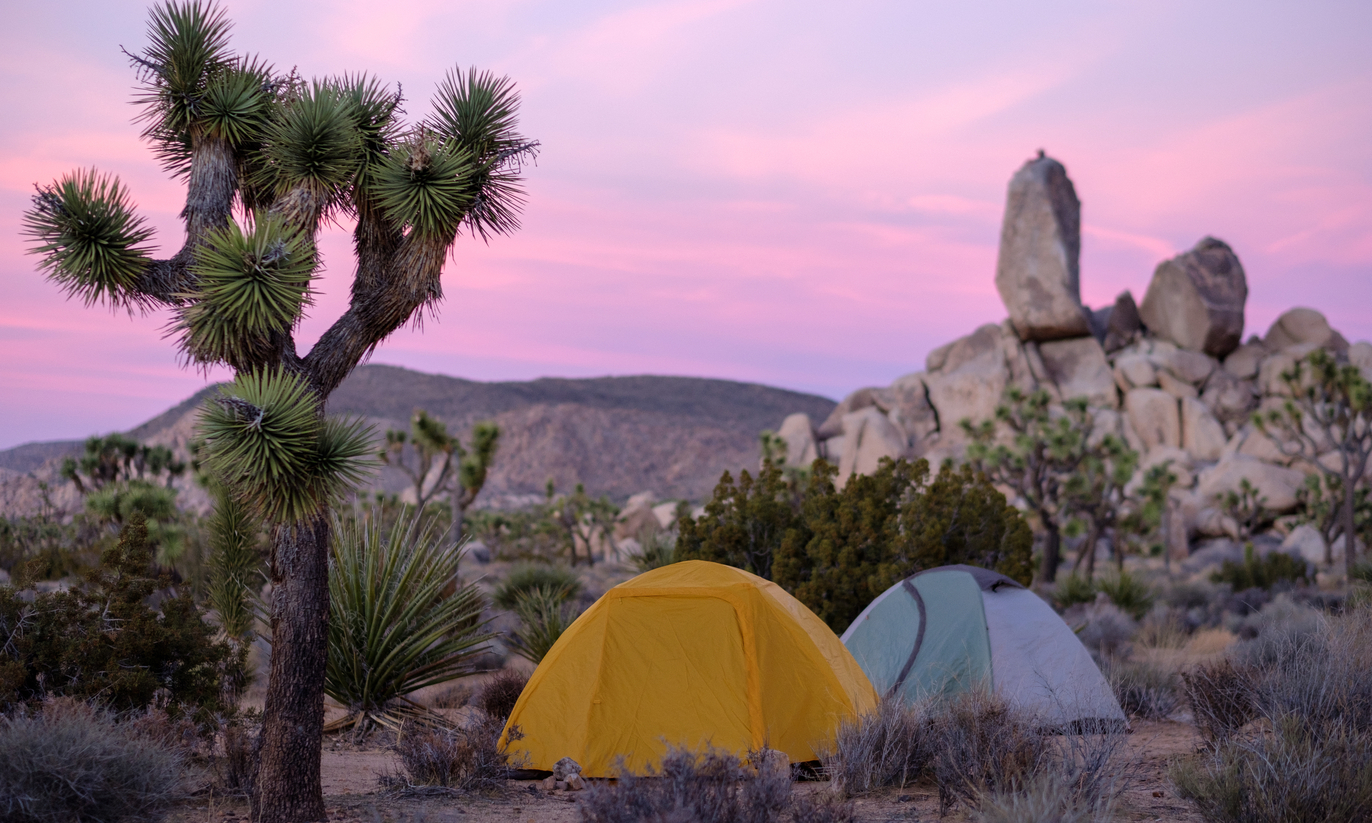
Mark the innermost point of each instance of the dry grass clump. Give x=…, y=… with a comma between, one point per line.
x=453, y=696
x=891, y=746
x=1221, y=697
x=1143, y=688
x=706, y=787
x=983, y=747
x=498, y=695
x=982, y=753
x=74, y=762
x=1310, y=757
x=1046, y=798
x=467, y=759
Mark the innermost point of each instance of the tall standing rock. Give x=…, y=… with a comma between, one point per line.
x=1196, y=299
x=1037, y=273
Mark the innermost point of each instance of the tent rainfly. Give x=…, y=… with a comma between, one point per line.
x=691, y=654
x=957, y=628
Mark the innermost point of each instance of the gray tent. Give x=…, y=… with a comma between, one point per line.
x=957, y=628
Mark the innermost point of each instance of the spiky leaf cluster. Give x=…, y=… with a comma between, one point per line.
x=90, y=241
x=478, y=113
x=265, y=440
x=372, y=109
x=188, y=49
x=392, y=630
x=249, y=286
x=313, y=143
x=425, y=185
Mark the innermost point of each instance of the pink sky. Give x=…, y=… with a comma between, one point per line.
x=803, y=194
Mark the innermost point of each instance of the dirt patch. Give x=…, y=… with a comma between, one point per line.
x=353, y=794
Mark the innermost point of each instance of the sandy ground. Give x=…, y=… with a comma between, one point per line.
x=352, y=792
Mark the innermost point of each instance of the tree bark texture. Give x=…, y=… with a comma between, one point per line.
x=288, y=780
x=1052, y=551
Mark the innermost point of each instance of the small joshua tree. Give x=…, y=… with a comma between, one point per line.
x=267, y=158
x=1043, y=452
x=1327, y=422
x=436, y=462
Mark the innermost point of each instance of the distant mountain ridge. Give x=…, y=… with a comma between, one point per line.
x=617, y=435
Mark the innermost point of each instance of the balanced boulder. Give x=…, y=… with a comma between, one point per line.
x=1196, y=299
x=1037, y=272
x=1302, y=325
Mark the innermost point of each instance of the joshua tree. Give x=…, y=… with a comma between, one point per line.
x=267, y=158
x=437, y=462
x=1043, y=452
x=1327, y=422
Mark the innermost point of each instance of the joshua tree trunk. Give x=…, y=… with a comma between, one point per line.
x=288, y=780
x=1350, y=532
x=1052, y=550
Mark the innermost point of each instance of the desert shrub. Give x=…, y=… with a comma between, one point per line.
x=236, y=765
x=822, y=809
x=1311, y=757
x=1221, y=697
x=1107, y=629
x=1295, y=774
x=102, y=639
x=1072, y=590
x=466, y=759
x=1361, y=572
x=393, y=631
x=983, y=746
x=525, y=577
x=658, y=550
x=73, y=762
x=1143, y=689
x=498, y=695
x=837, y=549
x=889, y=746
x=710, y=787
x=986, y=749
x=1047, y=797
x=543, y=616
x=1131, y=594
x=1260, y=572
x=1164, y=627
x=1275, y=630
x=454, y=696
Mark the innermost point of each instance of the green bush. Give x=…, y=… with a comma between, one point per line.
x=102, y=639
x=72, y=762
x=393, y=630
x=836, y=550
x=1074, y=589
x=524, y=577
x=658, y=550
x=543, y=617
x=1260, y=572
x=1129, y=593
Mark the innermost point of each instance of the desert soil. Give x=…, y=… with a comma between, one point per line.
x=353, y=793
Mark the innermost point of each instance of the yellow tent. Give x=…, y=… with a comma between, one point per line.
x=690, y=654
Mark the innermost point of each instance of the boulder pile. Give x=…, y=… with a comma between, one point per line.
x=1170, y=375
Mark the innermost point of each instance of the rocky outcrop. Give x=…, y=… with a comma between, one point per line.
x=1037, y=272
x=1196, y=299
x=1168, y=376
x=1303, y=326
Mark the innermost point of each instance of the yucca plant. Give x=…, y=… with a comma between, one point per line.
x=543, y=615
x=526, y=577
x=267, y=157
x=394, y=631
